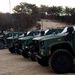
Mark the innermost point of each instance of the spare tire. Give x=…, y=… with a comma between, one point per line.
x=12, y=49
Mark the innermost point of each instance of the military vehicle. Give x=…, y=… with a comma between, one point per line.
x=13, y=39
x=26, y=41
x=27, y=46
x=30, y=33
x=3, y=39
x=48, y=33
x=57, y=51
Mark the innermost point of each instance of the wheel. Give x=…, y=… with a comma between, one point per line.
x=12, y=49
x=61, y=61
x=32, y=57
x=24, y=53
x=17, y=51
x=42, y=62
x=31, y=50
x=2, y=45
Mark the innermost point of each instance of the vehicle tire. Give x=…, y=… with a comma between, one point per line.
x=61, y=61
x=2, y=45
x=12, y=49
x=42, y=62
x=25, y=54
x=32, y=49
x=33, y=58
x=17, y=51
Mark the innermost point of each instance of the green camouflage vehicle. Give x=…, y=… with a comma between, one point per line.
x=3, y=39
x=28, y=42
x=13, y=39
x=57, y=51
x=48, y=33
x=30, y=33
x=24, y=43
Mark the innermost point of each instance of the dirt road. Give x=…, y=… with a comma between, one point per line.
x=13, y=64
x=47, y=24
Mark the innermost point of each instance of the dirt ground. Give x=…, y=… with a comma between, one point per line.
x=13, y=64
x=47, y=24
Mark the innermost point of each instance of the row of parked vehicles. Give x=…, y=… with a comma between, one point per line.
x=53, y=47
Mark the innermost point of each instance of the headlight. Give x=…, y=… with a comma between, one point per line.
x=26, y=47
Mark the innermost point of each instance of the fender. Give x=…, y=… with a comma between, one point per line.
x=59, y=45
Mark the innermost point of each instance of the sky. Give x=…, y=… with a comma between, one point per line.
x=5, y=7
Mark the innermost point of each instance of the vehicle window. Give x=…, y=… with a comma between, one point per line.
x=28, y=33
x=65, y=30
x=21, y=35
x=46, y=31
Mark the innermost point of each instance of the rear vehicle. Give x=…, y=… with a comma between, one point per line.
x=13, y=39
x=3, y=39
x=27, y=39
x=26, y=42
x=57, y=51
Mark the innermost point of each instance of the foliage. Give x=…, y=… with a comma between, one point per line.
x=26, y=15
x=25, y=8
x=55, y=10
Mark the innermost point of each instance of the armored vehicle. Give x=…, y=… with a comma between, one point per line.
x=48, y=33
x=27, y=46
x=24, y=42
x=13, y=39
x=3, y=39
x=57, y=51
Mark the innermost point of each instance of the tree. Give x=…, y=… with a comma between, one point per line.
x=43, y=9
x=72, y=12
x=67, y=11
x=25, y=8
x=22, y=8
x=55, y=10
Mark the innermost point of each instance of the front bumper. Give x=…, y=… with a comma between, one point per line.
x=9, y=45
x=38, y=56
x=42, y=57
x=30, y=54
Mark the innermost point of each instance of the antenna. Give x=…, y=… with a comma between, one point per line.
x=9, y=6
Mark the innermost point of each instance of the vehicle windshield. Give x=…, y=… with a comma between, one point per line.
x=32, y=33
x=28, y=33
x=46, y=31
x=22, y=35
x=9, y=35
x=65, y=30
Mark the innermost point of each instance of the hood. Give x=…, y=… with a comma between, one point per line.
x=26, y=38
x=55, y=36
x=51, y=36
x=12, y=37
x=39, y=38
